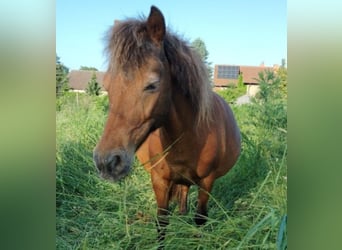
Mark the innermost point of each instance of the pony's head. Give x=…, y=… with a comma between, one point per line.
x=138, y=86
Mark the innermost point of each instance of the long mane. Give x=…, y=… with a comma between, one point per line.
x=128, y=47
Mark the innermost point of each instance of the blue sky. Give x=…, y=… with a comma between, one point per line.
x=241, y=32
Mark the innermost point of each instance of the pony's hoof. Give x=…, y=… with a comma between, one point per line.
x=200, y=219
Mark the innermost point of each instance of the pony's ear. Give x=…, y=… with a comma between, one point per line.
x=156, y=25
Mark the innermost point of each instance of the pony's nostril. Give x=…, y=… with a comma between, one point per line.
x=113, y=162
x=117, y=160
x=109, y=168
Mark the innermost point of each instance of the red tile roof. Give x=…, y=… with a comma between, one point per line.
x=250, y=74
x=78, y=79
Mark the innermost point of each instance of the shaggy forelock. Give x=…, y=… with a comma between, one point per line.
x=129, y=47
x=126, y=45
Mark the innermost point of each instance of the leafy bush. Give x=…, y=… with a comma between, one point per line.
x=102, y=103
x=270, y=109
x=233, y=91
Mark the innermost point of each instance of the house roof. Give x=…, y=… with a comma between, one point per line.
x=78, y=79
x=250, y=74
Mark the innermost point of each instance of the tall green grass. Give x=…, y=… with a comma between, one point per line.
x=247, y=209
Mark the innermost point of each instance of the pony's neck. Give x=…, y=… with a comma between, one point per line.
x=181, y=118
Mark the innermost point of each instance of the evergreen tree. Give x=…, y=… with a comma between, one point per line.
x=199, y=45
x=93, y=87
x=61, y=77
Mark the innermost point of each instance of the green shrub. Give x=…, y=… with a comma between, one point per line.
x=102, y=103
x=233, y=91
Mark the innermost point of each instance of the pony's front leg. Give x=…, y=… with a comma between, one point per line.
x=161, y=189
x=203, y=197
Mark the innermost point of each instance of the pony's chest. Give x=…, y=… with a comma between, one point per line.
x=183, y=173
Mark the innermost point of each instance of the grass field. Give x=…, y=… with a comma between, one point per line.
x=247, y=209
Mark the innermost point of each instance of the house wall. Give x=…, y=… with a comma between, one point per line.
x=252, y=90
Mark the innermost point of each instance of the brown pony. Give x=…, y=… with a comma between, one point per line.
x=163, y=108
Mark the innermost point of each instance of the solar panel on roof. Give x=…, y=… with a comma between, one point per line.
x=228, y=72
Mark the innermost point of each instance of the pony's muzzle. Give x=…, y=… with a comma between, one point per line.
x=114, y=165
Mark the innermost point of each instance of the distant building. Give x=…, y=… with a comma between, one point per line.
x=78, y=79
x=227, y=75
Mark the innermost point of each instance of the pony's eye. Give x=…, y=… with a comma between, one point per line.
x=151, y=87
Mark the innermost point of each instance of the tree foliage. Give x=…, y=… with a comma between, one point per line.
x=88, y=68
x=199, y=45
x=93, y=87
x=62, y=80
